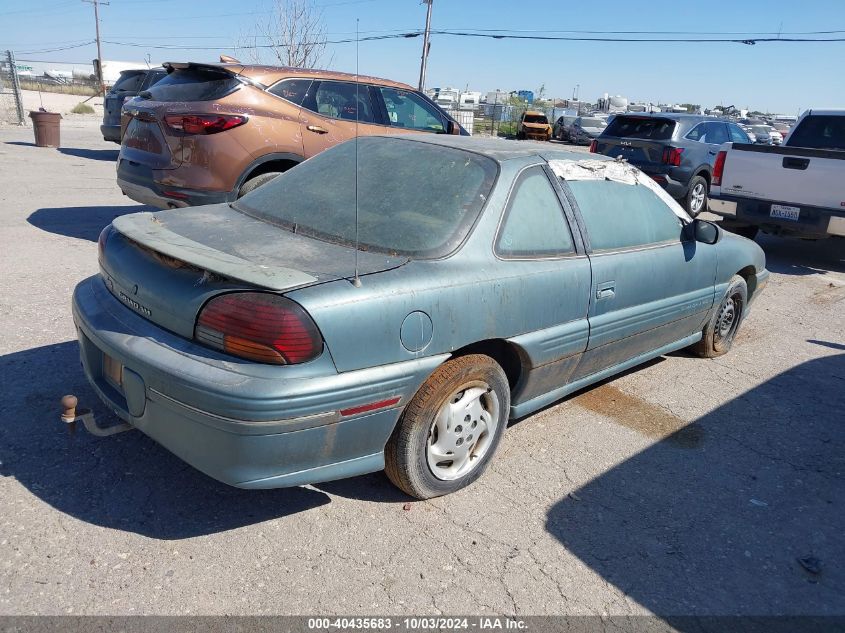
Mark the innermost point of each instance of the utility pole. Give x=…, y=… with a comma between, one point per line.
x=96, y=4
x=426, y=44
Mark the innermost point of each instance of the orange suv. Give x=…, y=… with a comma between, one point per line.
x=209, y=133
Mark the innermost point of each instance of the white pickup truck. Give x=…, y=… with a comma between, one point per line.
x=797, y=188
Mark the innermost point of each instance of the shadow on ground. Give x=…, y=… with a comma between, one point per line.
x=125, y=482
x=83, y=223
x=92, y=154
x=794, y=256
x=747, y=519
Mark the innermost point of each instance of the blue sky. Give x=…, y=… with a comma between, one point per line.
x=779, y=77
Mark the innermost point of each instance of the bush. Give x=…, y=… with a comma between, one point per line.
x=82, y=108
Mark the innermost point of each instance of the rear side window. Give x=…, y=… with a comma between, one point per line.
x=129, y=82
x=621, y=216
x=153, y=77
x=293, y=90
x=343, y=100
x=534, y=224
x=738, y=135
x=408, y=110
x=194, y=84
x=651, y=128
x=820, y=132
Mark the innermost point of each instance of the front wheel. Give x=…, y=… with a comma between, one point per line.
x=254, y=183
x=450, y=429
x=696, y=200
x=720, y=331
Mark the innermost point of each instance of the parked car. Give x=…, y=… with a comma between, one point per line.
x=129, y=85
x=392, y=303
x=560, y=130
x=584, y=129
x=783, y=128
x=533, y=125
x=677, y=150
x=766, y=135
x=752, y=138
x=795, y=189
x=213, y=132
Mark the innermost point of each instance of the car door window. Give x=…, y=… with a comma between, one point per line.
x=293, y=90
x=619, y=216
x=737, y=134
x=343, y=100
x=534, y=225
x=715, y=133
x=408, y=110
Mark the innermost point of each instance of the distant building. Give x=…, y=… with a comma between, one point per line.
x=526, y=95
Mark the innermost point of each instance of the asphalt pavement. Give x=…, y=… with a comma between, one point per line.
x=685, y=487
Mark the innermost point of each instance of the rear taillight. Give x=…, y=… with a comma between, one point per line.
x=203, y=123
x=259, y=326
x=672, y=156
x=719, y=168
x=593, y=145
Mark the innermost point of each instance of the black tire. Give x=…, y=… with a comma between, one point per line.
x=696, y=199
x=719, y=333
x=406, y=453
x=255, y=182
x=520, y=136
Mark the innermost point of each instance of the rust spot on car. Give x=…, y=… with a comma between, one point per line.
x=641, y=416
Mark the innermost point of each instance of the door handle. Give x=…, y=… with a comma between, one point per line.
x=796, y=163
x=317, y=129
x=605, y=293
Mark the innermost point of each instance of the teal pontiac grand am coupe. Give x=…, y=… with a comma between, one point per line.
x=391, y=304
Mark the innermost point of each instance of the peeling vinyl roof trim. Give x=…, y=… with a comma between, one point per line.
x=617, y=171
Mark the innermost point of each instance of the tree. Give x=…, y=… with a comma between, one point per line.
x=293, y=35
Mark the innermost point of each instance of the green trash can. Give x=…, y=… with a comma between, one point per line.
x=46, y=126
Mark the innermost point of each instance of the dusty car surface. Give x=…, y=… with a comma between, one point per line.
x=493, y=278
x=533, y=125
x=209, y=133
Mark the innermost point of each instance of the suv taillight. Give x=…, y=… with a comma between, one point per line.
x=672, y=156
x=593, y=145
x=259, y=326
x=719, y=168
x=203, y=123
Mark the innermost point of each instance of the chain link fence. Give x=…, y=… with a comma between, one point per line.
x=11, y=100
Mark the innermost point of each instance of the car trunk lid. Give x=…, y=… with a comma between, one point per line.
x=166, y=265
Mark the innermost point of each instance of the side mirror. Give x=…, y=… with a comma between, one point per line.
x=703, y=231
x=453, y=128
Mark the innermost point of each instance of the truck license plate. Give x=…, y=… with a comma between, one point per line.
x=784, y=212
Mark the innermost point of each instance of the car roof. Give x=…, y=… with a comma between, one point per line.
x=677, y=116
x=500, y=149
x=268, y=75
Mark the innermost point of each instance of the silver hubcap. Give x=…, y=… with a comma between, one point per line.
x=698, y=194
x=462, y=431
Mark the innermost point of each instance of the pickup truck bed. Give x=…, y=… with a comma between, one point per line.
x=782, y=190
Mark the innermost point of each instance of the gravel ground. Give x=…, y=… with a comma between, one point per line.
x=685, y=487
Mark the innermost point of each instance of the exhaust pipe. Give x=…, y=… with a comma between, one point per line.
x=70, y=416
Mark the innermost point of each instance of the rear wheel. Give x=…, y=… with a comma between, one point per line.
x=719, y=333
x=696, y=200
x=256, y=181
x=450, y=429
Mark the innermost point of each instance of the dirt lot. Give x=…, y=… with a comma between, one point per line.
x=684, y=487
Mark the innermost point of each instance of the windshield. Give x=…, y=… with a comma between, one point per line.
x=414, y=199
x=593, y=123
x=819, y=132
x=536, y=118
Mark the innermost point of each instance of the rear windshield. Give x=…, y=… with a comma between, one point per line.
x=414, y=199
x=820, y=132
x=193, y=84
x=651, y=128
x=129, y=82
x=536, y=118
x=593, y=123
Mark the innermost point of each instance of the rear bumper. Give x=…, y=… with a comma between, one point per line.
x=674, y=188
x=110, y=132
x=139, y=183
x=245, y=424
x=812, y=222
